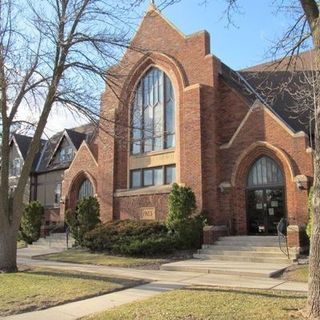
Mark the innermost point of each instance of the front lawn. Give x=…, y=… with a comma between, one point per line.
x=86, y=257
x=297, y=273
x=38, y=288
x=198, y=303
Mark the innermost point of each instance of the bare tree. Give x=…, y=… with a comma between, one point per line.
x=53, y=54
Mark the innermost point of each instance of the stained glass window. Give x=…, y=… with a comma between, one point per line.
x=265, y=172
x=153, y=114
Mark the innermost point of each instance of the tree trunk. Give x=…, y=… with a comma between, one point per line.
x=8, y=247
x=313, y=305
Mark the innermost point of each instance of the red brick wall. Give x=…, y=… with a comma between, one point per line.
x=287, y=150
x=52, y=215
x=187, y=63
x=84, y=166
x=129, y=207
x=209, y=112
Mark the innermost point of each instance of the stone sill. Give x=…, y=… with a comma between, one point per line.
x=143, y=191
x=152, y=153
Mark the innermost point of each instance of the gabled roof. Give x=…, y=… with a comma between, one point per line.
x=303, y=61
x=23, y=142
x=273, y=88
x=278, y=89
x=75, y=135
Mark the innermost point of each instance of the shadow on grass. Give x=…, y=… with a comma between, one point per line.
x=85, y=276
x=267, y=294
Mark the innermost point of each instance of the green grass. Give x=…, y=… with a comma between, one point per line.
x=200, y=303
x=86, y=257
x=297, y=273
x=42, y=288
x=21, y=244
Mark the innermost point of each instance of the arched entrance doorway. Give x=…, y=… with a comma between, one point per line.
x=265, y=196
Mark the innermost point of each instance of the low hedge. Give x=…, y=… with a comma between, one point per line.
x=130, y=237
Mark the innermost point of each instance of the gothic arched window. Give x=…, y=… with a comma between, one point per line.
x=265, y=172
x=86, y=190
x=153, y=114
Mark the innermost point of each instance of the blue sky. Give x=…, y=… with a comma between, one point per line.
x=239, y=47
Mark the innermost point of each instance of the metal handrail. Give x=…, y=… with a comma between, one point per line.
x=281, y=228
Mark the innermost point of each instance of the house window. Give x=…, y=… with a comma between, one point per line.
x=86, y=190
x=153, y=114
x=152, y=176
x=66, y=154
x=57, y=194
x=15, y=168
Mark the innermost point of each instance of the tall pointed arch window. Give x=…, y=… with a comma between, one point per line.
x=153, y=114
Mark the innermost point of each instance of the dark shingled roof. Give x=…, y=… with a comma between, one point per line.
x=279, y=90
x=276, y=89
x=23, y=143
x=77, y=136
x=303, y=61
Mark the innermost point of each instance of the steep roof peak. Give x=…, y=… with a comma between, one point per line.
x=152, y=6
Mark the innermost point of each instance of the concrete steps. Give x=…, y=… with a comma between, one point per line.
x=55, y=240
x=248, y=269
x=252, y=256
x=249, y=258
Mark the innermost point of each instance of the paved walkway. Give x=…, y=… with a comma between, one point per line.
x=79, y=309
x=161, y=281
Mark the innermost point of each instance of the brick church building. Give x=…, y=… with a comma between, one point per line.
x=179, y=114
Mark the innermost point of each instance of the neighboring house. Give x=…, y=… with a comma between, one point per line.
x=198, y=123
x=47, y=172
x=55, y=158
x=19, y=146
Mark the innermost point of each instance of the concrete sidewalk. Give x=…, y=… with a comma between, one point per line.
x=83, y=308
x=183, y=277
x=161, y=281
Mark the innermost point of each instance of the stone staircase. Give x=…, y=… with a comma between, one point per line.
x=238, y=255
x=54, y=241
x=264, y=249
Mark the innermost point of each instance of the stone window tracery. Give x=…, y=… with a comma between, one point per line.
x=153, y=114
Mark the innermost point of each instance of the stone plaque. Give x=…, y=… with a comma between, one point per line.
x=148, y=213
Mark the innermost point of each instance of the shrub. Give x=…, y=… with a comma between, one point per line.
x=31, y=222
x=182, y=204
x=189, y=234
x=310, y=209
x=129, y=237
x=84, y=218
x=182, y=221
x=147, y=247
